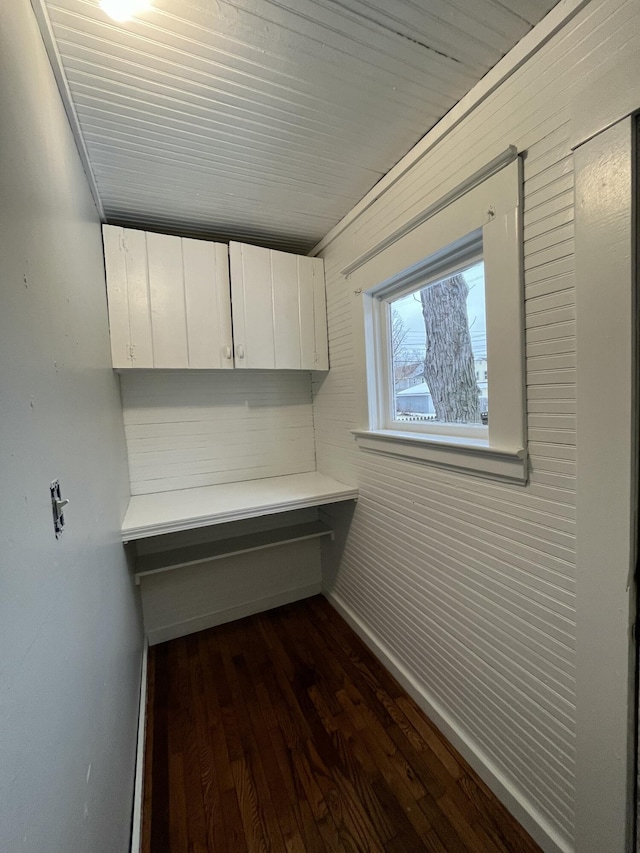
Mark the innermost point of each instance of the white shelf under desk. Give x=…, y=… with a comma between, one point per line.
x=187, y=509
x=205, y=552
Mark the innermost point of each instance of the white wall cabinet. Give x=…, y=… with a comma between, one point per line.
x=279, y=309
x=169, y=300
x=170, y=304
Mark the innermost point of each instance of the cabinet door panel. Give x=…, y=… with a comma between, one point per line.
x=307, y=307
x=279, y=311
x=118, y=301
x=286, y=310
x=125, y=253
x=168, y=314
x=140, y=334
x=320, y=315
x=223, y=302
x=208, y=304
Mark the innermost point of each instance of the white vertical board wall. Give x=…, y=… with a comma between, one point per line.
x=469, y=586
x=169, y=300
x=279, y=309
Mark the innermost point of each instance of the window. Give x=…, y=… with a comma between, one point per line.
x=435, y=344
x=442, y=335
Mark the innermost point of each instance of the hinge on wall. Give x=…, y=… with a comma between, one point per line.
x=123, y=243
x=131, y=352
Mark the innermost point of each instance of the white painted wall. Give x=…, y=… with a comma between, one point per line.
x=70, y=632
x=466, y=587
x=201, y=428
x=193, y=598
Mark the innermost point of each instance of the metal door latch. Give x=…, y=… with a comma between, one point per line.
x=57, y=507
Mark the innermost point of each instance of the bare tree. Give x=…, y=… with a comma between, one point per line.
x=449, y=368
x=405, y=360
x=398, y=333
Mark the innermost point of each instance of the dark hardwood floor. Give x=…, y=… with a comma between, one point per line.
x=281, y=732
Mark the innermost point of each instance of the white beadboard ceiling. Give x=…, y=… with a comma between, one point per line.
x=264, y=120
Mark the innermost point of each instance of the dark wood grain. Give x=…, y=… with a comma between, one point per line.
x=281, y=732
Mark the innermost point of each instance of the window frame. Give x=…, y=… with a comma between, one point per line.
x=468, y=256
x=486, y=214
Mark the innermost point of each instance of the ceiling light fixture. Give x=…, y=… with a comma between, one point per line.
x=123, y=10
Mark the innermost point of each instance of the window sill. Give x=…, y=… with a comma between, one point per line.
x=467, y=455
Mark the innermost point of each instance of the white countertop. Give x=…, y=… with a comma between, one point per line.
x=169, y=512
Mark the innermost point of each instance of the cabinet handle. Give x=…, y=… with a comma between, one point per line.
x=240, y=351
x=227, y=352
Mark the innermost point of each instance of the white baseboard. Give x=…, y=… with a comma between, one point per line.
x=210, y=620
x=525, y=812
x=138, y=789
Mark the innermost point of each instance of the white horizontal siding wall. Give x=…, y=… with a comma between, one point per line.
x=467, y=584
x=185, y=430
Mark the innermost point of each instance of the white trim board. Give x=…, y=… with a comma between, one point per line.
x=525, y=813
x=46, y=30
x=606, y=504
x=432, y=210
x=138, y=789
x=445, y=451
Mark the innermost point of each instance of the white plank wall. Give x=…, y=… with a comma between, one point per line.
x=468, y=584
x=196, y=597
x=208, y=594
x=185, y=430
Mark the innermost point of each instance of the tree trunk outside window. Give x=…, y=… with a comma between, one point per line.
x=449, y=368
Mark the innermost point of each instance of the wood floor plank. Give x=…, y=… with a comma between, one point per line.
x=178, y=827
x=442, y=827
x=394, y=778
x=216, y=838
x=193, y=757
x=315, y=797
x=282, y=733
x=159, y=780
x=147, y=794
x=251, y=767
x=431, y=738
x=354, y=830
x=284, y=808
x=385, y=791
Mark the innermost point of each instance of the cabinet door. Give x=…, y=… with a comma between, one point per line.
x=253, y=344
x=125, y=254
x=208, y=304
x=169, y=300
x=279, y=313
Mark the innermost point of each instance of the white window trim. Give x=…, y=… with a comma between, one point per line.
x=490, y=208
x=468, y=252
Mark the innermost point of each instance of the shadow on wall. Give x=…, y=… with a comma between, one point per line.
x=338, y=516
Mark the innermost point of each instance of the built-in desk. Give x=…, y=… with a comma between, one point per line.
x=190, y=585
x=187, y=509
